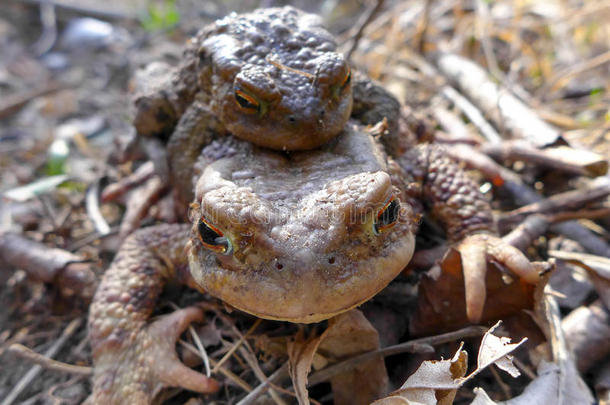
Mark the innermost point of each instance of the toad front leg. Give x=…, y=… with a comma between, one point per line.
x=454, y=199
x=134, y=358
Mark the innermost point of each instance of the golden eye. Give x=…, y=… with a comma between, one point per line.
x=246, y=101
x=387, y=216
x=212, y=238
x=347, y=79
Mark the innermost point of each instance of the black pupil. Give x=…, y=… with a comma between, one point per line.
x=348, y=79
x=208, y=235
x=244, y=102
x=389, y=215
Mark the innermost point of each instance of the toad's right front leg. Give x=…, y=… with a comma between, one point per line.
x=133, y=359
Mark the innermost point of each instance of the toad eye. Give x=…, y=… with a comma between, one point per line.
x=212, y=238
x=347, y=79
x=246, y=101
x=387, y=216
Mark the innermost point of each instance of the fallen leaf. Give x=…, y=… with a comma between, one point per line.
x=300, y=356
x=441, y=300
x=495, y=350
x=436, y=382
x=553, y=386
x=347, y=335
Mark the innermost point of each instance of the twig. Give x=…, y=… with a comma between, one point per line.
x=51, y=265
x=405, y=347
x=92, y=207
x=245, y=349
x=523, y=195
x=93, y=11
x=502, y=107
x=236, y=345
x=49, y=29
x=529, y=230
x=503, y=386
x=116, y=190
x=593, y=213
x=50, y=364
x=597, y=190
x=202, y=352
x=253, y=363
x=482, y=29
x=278, y=375
x=27, y=379
x=473, y=114
x=224, y=371
x=564, y=158
x=422, y=27
x=562, y=77
x=13, y=103
x=369, y=15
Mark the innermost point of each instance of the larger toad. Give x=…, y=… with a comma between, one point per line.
x=298, y=237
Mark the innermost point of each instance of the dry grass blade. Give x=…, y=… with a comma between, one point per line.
x=34, y=371
x=49, y=364
x=236, y=345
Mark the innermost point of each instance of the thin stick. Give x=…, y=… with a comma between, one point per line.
x=277, y=375
x=27, y=379
x=410, y=346
x=236, y=345
x=367, y=20
x=49, y=364
x=561, y=78
x=227, y=373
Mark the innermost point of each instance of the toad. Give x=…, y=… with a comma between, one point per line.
x=272, y=77
x=298, y=237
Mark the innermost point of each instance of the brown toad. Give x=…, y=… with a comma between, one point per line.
x=272, y=77
x=298, y=237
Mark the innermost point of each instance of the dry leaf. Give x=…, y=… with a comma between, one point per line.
x=441, y=302
x=598, y=268
x=553, y=386
x=300, y=356
x=433, y=383
x=495, y=349
x=436, y=382
x=394, y=400
x=347, y=335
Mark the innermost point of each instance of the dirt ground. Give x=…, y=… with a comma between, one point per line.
x=65, y=118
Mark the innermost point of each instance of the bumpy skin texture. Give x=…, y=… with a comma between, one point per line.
x=283, y=59
x=134, y=359
x=280, y=59
x=301, y=226
x=302, y=247
x=446, y=191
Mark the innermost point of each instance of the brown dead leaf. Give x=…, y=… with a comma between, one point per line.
x=300, y=356
x=554, y=385
x=394, y=400
x=434, y=382
x=495, y=350
x=598, y=268
x=441, y=300
x=347, y=335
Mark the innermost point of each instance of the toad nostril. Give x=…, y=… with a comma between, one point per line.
x=331, y=260
x=292, y=119
x=322, y=113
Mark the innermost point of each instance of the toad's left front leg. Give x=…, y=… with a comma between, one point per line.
x=455, y=200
